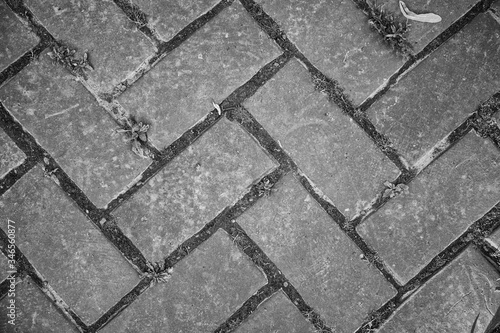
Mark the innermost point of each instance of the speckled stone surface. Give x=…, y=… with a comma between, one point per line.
x=326, y=144
x=451, y=301
x=277, y=314
x=15, y=38
x=210, y=65
x=205, y=288
x=451, y=83
x=338, y=40
x=168, y=18
x=318, y=259
x=442, y=202
x=70, y=124
x=74, y=257
x=192, y=190
x=101, y=29
x=35, y=313
x=10, y=155
x=4, y=267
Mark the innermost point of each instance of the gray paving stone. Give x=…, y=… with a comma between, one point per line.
x=192, y=190
x=496, y=7
x=314, y=254
x=168, y=18
x=74, y=257
x=495, y=237
x=450, y=301
x=67, y=121
x=4, y=267
x=10, y=155
x=35, y=313
x=204, y=290
x=338, y=40
x=100, y=28
x=442, y=203
x=326, y=144
x=277, y=315
x=436, y=96
x=15, y=38
x=422, y=33
x=220, y=57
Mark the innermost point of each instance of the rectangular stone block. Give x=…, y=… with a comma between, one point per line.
x=439, y=94
x=450, y=301
x=325, y=143
x=204, y=290
x=321, y=262
x=443, y=201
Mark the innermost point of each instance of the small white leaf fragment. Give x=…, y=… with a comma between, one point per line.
x=428, y=17
x=217, y=107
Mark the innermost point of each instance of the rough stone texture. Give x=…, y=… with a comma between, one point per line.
x=422, y=33
x=220, y=57
x=100, y=28
x=495, y=237
x=442, y=202
x=338, y=40
x=451, y=301
x=496, y=7
x=35, y=312
x=15, y=38
x=74, y=257
x=4, y=266
x=451, y=83
x=205, y=289
x=68, y=122
x=277, y=314
x=192, y=190
x=168, y=18
x=318, y=259
x=326, y=144
x=10, y=155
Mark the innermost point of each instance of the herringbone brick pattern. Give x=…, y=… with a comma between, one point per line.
x=247, y=166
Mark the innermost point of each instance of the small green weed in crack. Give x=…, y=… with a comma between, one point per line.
x=265, y=188
x=158, y=272
x=66, y=56
x=136, y=133
x=394, y=32
x=394, y=190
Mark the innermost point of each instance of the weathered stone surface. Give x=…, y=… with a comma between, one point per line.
x=315, y=255
x=204, y=290
x=67, y=121
x=35, y=313
x=10, y=155
x=338, y=40
x=495, y=238
x=72, y=255
x=168, y=18
x=436, y=96
x=326, y=144
x=192, y=190
x=422, y=33
x=442, y=203
x=451, y=301
x=101, y=29
x=277, y=314
x=15, y=38
x=496, y=7
x=4, y=267
x=216, y=60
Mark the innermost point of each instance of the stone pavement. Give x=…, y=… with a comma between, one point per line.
x=337, y=185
